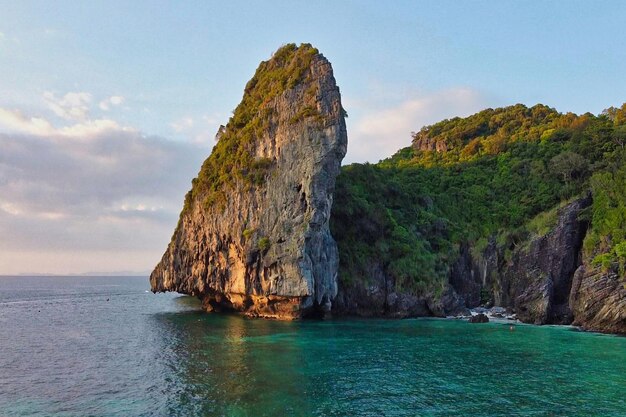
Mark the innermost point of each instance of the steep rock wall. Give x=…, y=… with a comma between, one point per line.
x=598, y=300
x=255, y=238
x=546, y=280
x=377, y=296
x=535, y=279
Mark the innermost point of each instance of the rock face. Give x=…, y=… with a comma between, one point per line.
x=253, y=236
x=377, y=297
x=537, y=281
x=598, y=300
x=546, y=280
x=422, y=142
x=479, y=318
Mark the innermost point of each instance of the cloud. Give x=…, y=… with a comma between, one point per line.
x=16, y=122
x=92, y=186
x=199, y=129
x=183, y=124
x=72, y=106
x=110, y=102
x=378, y=133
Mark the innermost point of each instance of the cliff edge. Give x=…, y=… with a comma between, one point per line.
x=253, y=235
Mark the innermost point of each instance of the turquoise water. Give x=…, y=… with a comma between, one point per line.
x=106, y=347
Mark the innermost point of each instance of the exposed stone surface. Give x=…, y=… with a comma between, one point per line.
x=598, y=300
x=466, y=278
x=538, y=280
x=376, y=296
x=422, y=142
x=267, y=250
x=479, y=318
x=545, y=280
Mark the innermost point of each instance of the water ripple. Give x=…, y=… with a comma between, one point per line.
x=104, y=347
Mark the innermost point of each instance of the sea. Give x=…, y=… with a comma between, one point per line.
x=107, y=346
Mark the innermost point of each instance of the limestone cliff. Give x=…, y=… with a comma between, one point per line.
x=538, y=279
x=253, y=235
x=535, y=279
x=598, y=300
x=545, y=280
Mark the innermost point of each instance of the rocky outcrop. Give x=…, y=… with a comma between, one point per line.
x=537, y=280
x=479, y=318
x=598, y=300
x=253, y=236
x=545, y=280
x=377, y=296
x=467, y=278
x=422, y=142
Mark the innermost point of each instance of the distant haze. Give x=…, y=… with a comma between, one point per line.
x=108, y=108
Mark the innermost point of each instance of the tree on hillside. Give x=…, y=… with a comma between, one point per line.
x=568, y=165
x=619, y=136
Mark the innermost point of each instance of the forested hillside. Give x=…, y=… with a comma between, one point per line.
x=500, y=173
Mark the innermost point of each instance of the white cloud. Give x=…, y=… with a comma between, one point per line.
x=9, y=208
x=200, y=130
x=378, y=133
x=182, y=124
x=89, y=186
x=116, y=100
x=72, y=106
x=15, y=121
x=110, y=102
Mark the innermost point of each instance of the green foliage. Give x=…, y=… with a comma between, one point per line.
x=375, y=217
x=263, y=244
x=569, y=165
x=606, y=241
x=247, y=233
x=505, y=173
x=306, y=112
x=604, y=260
x=232, y=160
x=543, y=222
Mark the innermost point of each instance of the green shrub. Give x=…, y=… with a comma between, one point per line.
x=605, y=260
x=606, y=241
x=543, y=222
x=263, y=244
x=232, y=160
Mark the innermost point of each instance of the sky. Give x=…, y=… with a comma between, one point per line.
x=108, y=108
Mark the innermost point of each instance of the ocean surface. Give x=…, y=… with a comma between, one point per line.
x=105, y=346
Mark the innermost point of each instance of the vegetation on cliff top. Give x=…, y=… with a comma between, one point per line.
x=495, y=174
x=233, y=158
x=606, y=241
